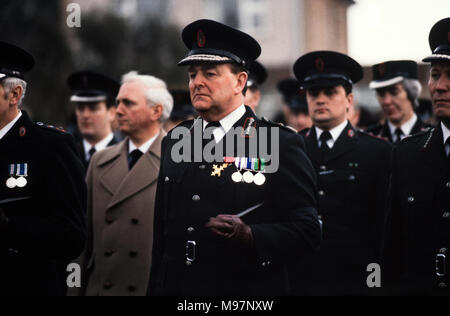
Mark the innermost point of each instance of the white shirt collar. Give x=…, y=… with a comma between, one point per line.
x=98, y=147
x=10, y=125
x=406, y=128
x=446, y=133
x=335, y=133
x=227, y=123
x=144, y=148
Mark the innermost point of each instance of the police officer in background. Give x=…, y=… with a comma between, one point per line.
x=42, y=191
x=295, y=107
x=353, y=176
x=417, y=248
x=398, y=90
x=256, y=78
x=229, y=227
x=94, y=98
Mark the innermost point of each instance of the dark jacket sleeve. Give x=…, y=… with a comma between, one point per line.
x=295, y=230
x=53, y=225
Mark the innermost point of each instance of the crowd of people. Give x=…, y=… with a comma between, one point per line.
x=299, y=206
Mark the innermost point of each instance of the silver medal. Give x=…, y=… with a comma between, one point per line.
x=248, y=177
x=11, y=183
x=260, y=179
x=21, y=182
x=237, y=177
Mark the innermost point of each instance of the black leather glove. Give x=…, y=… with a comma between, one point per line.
x=231, y=228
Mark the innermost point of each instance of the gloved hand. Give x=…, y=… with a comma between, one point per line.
x=231, y=228
x=3, y=219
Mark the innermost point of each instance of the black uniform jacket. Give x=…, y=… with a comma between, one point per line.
x=383, y=131
x=419, y=223
x=47, y=229
x=285, y=227
x=353, y=184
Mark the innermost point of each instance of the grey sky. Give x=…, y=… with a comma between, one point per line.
x=381, y=30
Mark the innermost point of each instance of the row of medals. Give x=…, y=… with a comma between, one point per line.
x=12, y=182
x=248, y=177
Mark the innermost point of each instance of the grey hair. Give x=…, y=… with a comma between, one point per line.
x=157, y=92
x=413, y=89
x=10, y=83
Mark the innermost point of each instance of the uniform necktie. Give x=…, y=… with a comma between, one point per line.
x=324, y=148
x=398, y=135
x=133, y=158
x=448, y=145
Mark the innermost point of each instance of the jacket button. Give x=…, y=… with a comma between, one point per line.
x=442, y=285
x=322, y=193
x=447, y=185
x=446, y=215
x=107, y=286
x=188, y=264
x=264, y=264
x=411, y=199
x=133, y=254
x=190, y=230
x=323, y=168
x=108, y=254
x=167, y=180
x=352, y=178
x=134, y=221
x=196, y=198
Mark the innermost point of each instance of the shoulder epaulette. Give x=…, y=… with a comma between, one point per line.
x=284, y=127
x=52, y=128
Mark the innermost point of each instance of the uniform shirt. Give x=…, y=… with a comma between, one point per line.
x=99, y=146
x=406, y=128
x=6, y=129
x=226, y=123
x=446, y=133
x=335, y=133
x=144, y=148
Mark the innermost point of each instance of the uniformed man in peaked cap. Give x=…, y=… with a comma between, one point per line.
x=42, y=191
x=417, y=247
x=398, y=89
x=229, y=227
x=94, y=98
x=257, y=77
x=353, y=174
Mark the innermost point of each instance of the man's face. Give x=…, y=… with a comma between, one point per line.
x=295, y=119
x=328, y=107
x=133, y=111
x=213, y=87
x=395, y=104
x=439, y=86
x=94, y=120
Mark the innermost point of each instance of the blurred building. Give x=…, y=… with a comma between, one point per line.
x=286, y=29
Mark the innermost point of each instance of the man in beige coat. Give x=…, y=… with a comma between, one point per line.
x=122, y=184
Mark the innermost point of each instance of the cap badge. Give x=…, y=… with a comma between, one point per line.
x=320, y=65
x=201, y=39
x=382, y=69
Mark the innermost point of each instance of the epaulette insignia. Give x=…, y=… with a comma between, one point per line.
x=426, y=147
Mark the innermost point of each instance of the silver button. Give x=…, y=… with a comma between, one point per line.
x=443, y=285
x=352, y=178
x=447, y=185
x=190, y=230
x=321, y=193
x=411, y=199
x=264, y=264
x=188, y=263
x=446, y=215
x=323, y=168
x=167, y=180
x=196, y=198
x=202, y=167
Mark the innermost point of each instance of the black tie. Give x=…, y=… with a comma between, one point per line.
x=324, y=138
x=448, y=145
x=91, y=153
x=398, y=135
x=133, y=158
